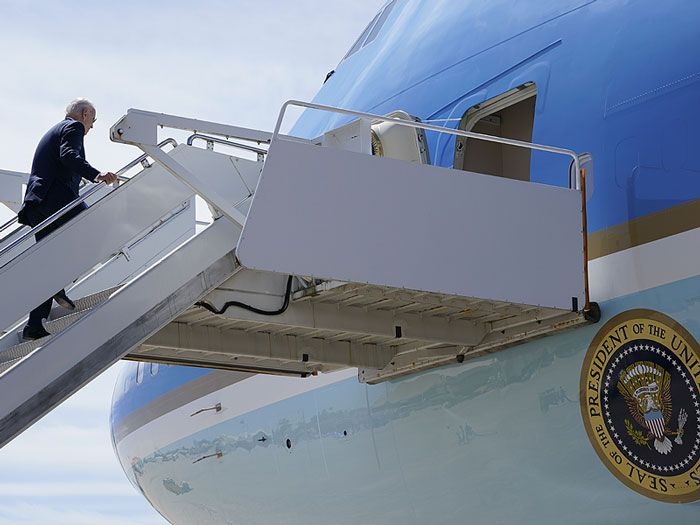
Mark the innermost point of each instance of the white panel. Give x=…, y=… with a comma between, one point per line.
x=337, y=214
x=231, y=177
x=11, y=188
x=354, y=136
x=143, y=253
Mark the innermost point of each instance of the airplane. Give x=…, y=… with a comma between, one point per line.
x=583, y=413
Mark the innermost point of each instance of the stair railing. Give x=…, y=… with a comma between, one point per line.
x=216, y=140
x=430, y=127
x=142, y=159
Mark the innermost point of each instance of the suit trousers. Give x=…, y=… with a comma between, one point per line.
x=34, y=215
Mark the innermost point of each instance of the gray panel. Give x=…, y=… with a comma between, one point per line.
x=342, y=215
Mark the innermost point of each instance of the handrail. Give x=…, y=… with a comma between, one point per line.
x=140, y=127
x=208, y=138
x=60, y=213
x=82, y=198
x=8, y=223
x=14, y=219
x=143, y=157
x=430, y=127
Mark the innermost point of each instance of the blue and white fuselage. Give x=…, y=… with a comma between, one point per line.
x=496, y=439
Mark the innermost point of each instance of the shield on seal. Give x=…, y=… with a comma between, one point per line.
x=655, y=423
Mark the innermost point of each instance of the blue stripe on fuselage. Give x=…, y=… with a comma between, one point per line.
x=129, y=396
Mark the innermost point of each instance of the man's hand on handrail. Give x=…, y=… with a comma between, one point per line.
x=107, y=177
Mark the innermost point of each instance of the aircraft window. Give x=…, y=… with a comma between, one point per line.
x=154, y=368
x=509, y=115
x=372, y=29
x=358, y=43
x=380, y=22
x=139, y=373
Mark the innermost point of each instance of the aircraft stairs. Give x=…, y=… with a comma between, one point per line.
x=136, y=260
x=336, y=262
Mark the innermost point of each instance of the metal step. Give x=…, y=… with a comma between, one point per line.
x=58, y=325
x=8, y=364
x=58, y=319
x=94, y=299
x=22, y=349
x=63, y=318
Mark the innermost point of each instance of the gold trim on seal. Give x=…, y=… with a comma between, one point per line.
x=624, y=328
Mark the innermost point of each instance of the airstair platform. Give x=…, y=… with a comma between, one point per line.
x=397, y=265
x=346, y=250
x=384, y=332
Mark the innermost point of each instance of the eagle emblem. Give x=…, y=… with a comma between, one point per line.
x=640, y=403
x=646, y=388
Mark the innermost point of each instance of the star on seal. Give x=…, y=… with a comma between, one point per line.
x=639, y=386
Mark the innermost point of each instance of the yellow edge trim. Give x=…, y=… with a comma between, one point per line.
x=652, y=227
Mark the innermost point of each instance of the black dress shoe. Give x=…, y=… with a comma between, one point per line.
x=30, y=333
x=64, y=301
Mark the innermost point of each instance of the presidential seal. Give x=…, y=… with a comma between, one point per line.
x=640, y=402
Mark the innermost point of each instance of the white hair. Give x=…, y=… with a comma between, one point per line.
x=76, y=107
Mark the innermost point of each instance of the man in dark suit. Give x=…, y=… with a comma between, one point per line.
x=58, y=166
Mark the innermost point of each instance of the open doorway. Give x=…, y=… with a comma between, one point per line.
x=509, y=115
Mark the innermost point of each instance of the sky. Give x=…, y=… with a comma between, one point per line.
x=233, y=61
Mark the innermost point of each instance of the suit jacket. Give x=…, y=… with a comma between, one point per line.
x=59, y=164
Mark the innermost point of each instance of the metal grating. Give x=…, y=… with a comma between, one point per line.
x=61, y=318
x=382, y=331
